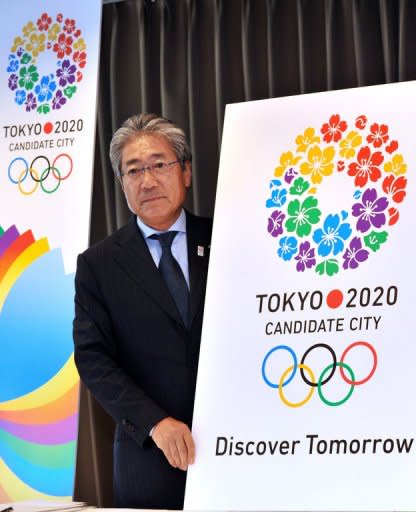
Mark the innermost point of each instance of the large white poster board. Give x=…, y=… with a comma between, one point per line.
x=305, y=393
x=49, y=53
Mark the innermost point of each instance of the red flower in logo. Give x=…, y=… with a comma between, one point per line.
x=63, y=46
x=80, y=58
x=378, y=135
x=366, y=167
x=395, y=187
x=69, y=26
x=44, y=21
x=333, y=130
x=360, y=122
x=393, y=216
x=340, y=166
x=391, y=148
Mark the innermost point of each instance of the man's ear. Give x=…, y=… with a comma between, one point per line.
x=188, y=174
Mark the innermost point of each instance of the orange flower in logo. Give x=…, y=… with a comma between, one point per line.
x=367, y=166
x=395, y=187
x=332, y=131
x=63, y=46
x=378, y=135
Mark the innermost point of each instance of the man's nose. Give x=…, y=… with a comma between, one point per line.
x=148, y=180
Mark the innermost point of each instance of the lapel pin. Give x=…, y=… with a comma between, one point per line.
x=200, y=250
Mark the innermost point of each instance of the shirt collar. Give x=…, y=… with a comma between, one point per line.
x=178, y=225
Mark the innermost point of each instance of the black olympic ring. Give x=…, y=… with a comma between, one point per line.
x=47, y=169
x=331, y=373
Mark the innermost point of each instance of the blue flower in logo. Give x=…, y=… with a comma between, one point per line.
x=46, y=88
x=20, y=96
x=288, y=247
x=13, y=64
x=331, y=238
x=278, y=195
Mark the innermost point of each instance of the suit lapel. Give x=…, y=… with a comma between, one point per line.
x=198, y=255
x=134, y=257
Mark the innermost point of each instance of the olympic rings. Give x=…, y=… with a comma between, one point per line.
x=374, y=354
x=70, y=169
x=325, y=376
x=43, y=179
x=20, y=167
x=334, y=360
x=308, y=396
x=25, y=171
x=347, y=396
x=47, y=168
x=295, y=365
x=25, y=192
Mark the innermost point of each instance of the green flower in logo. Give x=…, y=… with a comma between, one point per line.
x=299, y=187
x=28, y=77
x=302, y=216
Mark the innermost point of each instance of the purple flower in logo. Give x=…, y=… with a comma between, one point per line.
x=58, y=100
x=13, y=82
x=275, y=223
x=305, y=257
x=370, y=211
x=30, y=102
x=20, y=51
x=66, y=74
x=290, y=174
x=355, y=254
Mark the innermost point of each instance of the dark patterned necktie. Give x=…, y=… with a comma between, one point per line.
x=173, y=275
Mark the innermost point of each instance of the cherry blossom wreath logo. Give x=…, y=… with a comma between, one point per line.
x=343, y=238
x=51, y=91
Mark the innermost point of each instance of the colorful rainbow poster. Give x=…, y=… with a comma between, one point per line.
x=49, y=59
x=305, y=392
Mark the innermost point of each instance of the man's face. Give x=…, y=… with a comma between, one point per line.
x=157, y=201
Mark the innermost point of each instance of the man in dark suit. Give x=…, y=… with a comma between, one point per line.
x=138, y=315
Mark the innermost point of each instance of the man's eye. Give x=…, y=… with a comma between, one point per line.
x=159, y=165
x=133, y=172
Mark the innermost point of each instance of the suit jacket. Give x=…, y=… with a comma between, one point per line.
x=135, y=355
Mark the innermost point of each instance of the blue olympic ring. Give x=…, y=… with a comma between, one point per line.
x=10, y=166
x=295, y=365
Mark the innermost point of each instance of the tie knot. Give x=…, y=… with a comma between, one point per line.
x=165, y=239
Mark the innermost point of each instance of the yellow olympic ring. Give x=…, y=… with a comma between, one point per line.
x=308, y=396
x=19, y=182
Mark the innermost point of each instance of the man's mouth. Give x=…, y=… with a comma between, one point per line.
x=151, y=199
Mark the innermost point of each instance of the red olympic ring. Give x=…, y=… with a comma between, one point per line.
x=54, y=166
x=366, y=379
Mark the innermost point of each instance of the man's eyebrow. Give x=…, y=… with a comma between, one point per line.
x=139, y=160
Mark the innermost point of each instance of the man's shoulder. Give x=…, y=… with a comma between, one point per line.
x=113, y=241
x=198, y=223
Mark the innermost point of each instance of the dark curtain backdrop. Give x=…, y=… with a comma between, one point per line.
x=186, y=59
